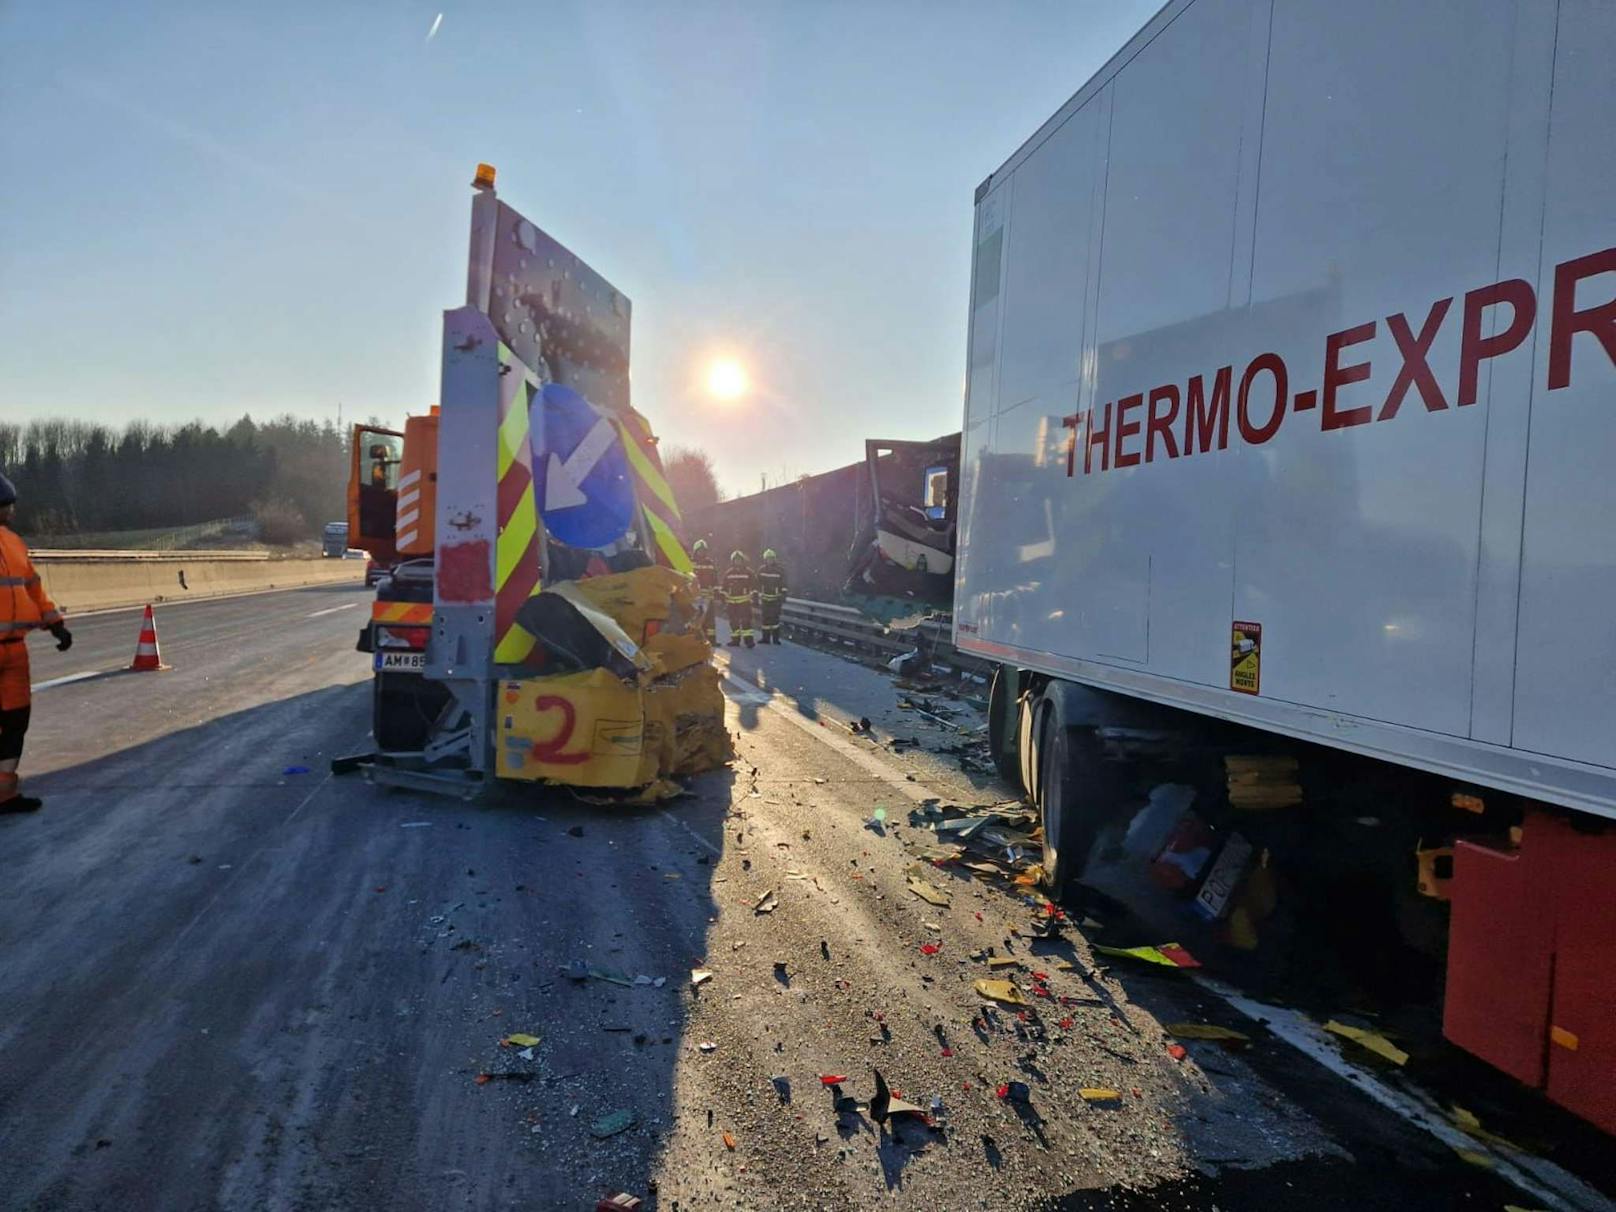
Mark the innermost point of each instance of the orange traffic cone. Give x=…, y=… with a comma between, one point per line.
x=147, y=657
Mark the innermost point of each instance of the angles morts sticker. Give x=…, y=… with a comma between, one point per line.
x=1245, y=658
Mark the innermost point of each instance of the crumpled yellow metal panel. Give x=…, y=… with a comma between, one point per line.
x=595, y=729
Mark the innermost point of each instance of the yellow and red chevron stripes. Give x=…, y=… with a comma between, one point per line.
x=516, y=552
x=651, y=489
x=412, y=613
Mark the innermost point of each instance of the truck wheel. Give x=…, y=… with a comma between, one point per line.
x=1003, y=714
x=1071, y=797
x=403, y=706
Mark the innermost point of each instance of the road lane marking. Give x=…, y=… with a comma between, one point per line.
x=1546, y=1182
x=677, y=821
x=333, y=609
x=783, y=706
x=73, y=677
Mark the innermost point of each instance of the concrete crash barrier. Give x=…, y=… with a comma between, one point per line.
x=81, y=581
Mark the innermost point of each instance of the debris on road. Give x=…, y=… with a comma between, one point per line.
x=767, y=903
x=622, y=1201
x=700, y=976
x=885, y=1104
x=484, y=1078
x=612, y=1123
x=1099, y=1094
x=927, y=893
x=1015, y=1092
x=520, y=1039
x=1004, y=992
x=1372, y=1041
x=1208, y=1031
x=1167, y=955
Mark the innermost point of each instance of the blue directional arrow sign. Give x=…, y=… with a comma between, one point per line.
x=580, y=472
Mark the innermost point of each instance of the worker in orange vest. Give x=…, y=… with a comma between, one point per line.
x=23, y=607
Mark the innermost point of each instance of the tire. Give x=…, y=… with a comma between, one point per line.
x=1004, y=712
x=403, y=707
x=1073, y=795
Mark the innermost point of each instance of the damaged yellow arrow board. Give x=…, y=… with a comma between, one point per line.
x=1001, y=991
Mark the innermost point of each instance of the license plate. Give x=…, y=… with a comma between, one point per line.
x=400, y=662
x=1224, y=879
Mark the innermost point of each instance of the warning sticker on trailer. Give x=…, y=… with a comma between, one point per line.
x=1245, y=658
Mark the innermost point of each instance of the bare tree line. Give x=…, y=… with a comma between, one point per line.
x=75, y=476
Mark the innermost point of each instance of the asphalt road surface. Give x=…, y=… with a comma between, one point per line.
x=229, y=980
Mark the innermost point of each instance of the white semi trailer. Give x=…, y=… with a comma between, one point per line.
x=1290, y=426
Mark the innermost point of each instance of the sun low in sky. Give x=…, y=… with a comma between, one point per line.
x=727, y=380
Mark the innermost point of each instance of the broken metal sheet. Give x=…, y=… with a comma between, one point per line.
x=927, y=893
x=1004, y=992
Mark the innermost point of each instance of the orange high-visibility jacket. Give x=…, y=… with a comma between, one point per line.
x=23, y=604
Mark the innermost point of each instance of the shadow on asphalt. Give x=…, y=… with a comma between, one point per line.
x=230, y=982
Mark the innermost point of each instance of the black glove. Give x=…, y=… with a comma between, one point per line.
x=64, y=637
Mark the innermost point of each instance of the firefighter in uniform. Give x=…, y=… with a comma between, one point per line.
x=701, y=563
x=771, y=579
x=23, y=608
x=739, y=585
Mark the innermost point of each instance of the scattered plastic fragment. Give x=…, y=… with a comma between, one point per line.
x=1001, y=991
x=1015, y=1092
x=700, y=976
x=521, y=1039
x=1003, y=961
x=1177, y=1051
x=927, y=893
x=1373, y=1041
x=930, y=948
x=767, y=903
x=296, y=770
x=1168, y=955
x=729, y=1142
x=612, y=1123
x=1099, y=1094
x=1211, y=1031
x=1467, y=1122
x=526, y=1054
x=622, y=1201
x=886, y=1104
x=832, y=1079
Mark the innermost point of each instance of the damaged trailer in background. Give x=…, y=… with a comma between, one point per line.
x=906, y=547
x=877, y=535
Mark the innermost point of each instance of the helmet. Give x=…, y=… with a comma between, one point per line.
x=737, y=556
x=701, y=545
x=768, y=554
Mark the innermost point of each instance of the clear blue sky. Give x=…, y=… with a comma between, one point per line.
x=218, y=208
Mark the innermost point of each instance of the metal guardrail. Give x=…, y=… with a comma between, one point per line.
x=848, y=631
